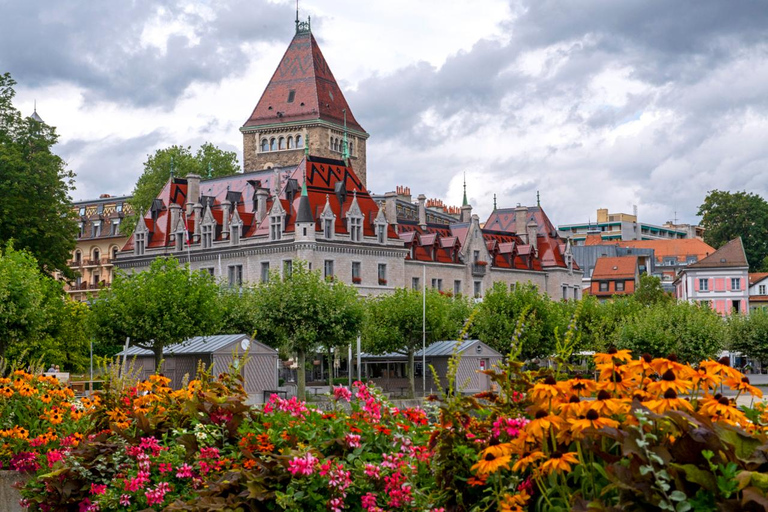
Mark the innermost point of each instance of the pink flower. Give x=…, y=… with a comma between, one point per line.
x=53, y=457
x=372, y=471
x=165, y=467
x=185, y=471
x=352, y=440
x=368, y=501
x=302, y=465
x=98, y=489
x=342, y=393
x=125, y=500
x=157, y=495
x=209, y=453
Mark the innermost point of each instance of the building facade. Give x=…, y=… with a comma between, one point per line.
x=758, y=290
x=719, y=281
x=615, y=227
x=615, y=276
x=98, y=242
x=312, y=204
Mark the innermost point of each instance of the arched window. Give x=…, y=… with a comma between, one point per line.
x=96, y=255
x=273, y=144
x=264, y=145
x=290, y=142
x=299, y=141
x=336, y=144
x=281, y=143
x=331, y=144
x=114, y=252
x=78, y=256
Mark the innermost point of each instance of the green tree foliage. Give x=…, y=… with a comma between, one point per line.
x=237, y=306
x=691, y=331
x=749, y=334
x=303, y=312
x=650, y=291
x=161, y=306
x=394, y=323
x=35, y=210
x=209, y=160
x=496, y=317
x=728, y=215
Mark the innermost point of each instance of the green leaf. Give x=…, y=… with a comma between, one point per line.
x=696, y=475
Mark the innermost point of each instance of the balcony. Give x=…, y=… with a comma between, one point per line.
x=479, y=268
x=75, y=263
x=84, y=287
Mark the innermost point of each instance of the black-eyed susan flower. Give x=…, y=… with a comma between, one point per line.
x=524, y=462
x=668, y=402
x=491, y=460
x=670, y=380
x=590, y=420
x=559, y=462
x=743, y=385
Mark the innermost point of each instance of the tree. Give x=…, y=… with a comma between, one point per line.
x=209, y=160
x=395, y=323
x=25, y=299
x=35, y=210
x=728, y=215
x=302, y=311
x=496, y=317
x=749, y=334
x=164, y=305
x=650, y=291
x=691, y=331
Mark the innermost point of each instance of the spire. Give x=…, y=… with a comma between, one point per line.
x=304, y=213
x=465, y=202
x=35, y=116
x=538, y=199
x=171, y=167
x=306, y=145
x=304, y=185
x=494, y=202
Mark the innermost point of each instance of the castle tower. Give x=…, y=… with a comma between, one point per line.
x=301, y=99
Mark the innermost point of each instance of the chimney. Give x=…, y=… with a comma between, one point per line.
x=466, y=213
x=422, y=211
x=390, y=207
x=175, y=211
x=225, y=206
x=532, y=230
x=193, y=191
x=521, y=212
x=404, y=194
x=261, y=203
x=198, y=209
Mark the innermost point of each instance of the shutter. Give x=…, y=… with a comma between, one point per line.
x=740, y=286
x=710, y=284
x=728, y=284
x=695, y=284
x=728, y=306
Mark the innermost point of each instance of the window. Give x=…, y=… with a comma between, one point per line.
x=207, y=236
x=736, y=283
x=670, y=261
x=264, y=271
x=603, y=286
x=475, y=256
x=114, y=253
x=328, y=269
x=234, y=234
x=96, y=228
x=415, y=283
x=704, y=285
x=115, y=228
x=235, y=274
x=299, y=141
x=82, y=229
x=457, y=288
x=437, y=284
x=290, y=142
x=761, y=289
x=355, y=229
x=576, y=293
x=82, y=211
x=287, y=268
x=381, y=233
x=119, y=207
x=328, y=228
x=96, y=255
x=737, y=306
x=140, y=240
x=350, y=148
x=264, y=145
x=565, y=293
x=619, y=286
x=382, y=274
x=208, y=270
x=272, y=144
x=95, y=279
x=78, y=255
x=478, y=288
x=281, y=143
x=291, y=95
x=356, y=278
x=180, y=241
x=275, y=227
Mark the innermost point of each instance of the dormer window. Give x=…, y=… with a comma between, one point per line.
x=381, y=233
x=96, y=229
x=356, y=229
x=179, y=240
x=139, y=243
x=275, y=227
x=115, y=228
x=234, y=235
x=291, y=95
x=207, y=238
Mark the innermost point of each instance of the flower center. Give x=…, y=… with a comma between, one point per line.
x=669, y=376
x=670, y=394
x=592, y=415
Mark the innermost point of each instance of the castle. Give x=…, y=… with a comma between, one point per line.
x=303, y=196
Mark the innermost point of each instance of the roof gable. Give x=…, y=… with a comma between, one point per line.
x=615, y=268
x=730, y=255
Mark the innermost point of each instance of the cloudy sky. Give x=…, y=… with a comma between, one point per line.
x=596, y=103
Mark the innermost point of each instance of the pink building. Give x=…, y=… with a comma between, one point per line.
x=720, y=280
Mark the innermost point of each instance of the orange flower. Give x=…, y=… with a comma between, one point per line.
x=514, y=503
x=705, y=380
x=613, y=357
x=572, y=408
x=491, y=460
x=720, y=407
x=670, y=401
x=661, y=365
x=544, y=392
x=742, y=385
x=605, y=405
x=6, y=392
x=614, y=382
x=477, y=481
x=46, y=398
x=559, y=462
x=720, y=368
x=642, y=365
x=591, y=420
x=578, y=386
x=669, y=381
x=523, y=463
x=541, y=424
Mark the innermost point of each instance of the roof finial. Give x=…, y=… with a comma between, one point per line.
x=494, y=202
x=35, y=110
x=306, y=145
x=304, y=185
x=538, y=199
x=465, y=202
x=171, y=167
x=346, y=144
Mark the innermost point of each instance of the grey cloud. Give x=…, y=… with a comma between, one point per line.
x=96, y=45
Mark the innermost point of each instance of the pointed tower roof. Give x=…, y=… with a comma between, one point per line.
x=304, y=213
x=302, y=88
x=35, y=116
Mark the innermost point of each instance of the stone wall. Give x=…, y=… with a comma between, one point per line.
x=9, y=496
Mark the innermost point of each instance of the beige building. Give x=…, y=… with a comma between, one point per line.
x=98, y=242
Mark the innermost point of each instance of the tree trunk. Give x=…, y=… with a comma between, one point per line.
x=158, y=351
x=411, y=371
x=301, y=375
x=330, y=368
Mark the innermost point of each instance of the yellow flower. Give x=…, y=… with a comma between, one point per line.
x=523, y=463
x=542, y=423
x=559, y=462
x=545, y=391
x=670, y=401
x=514, y=503
x=591, y=420
x=605, y=405
x=572, y=408
x=578, y=387
x=613, y=357
x=669, y=381
x=743, y=384
x=491, y=460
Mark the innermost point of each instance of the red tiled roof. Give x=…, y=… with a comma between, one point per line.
x=756, y=277
x=730, y=255
x=679, y=248
x=615, y=267
x=304, y=70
